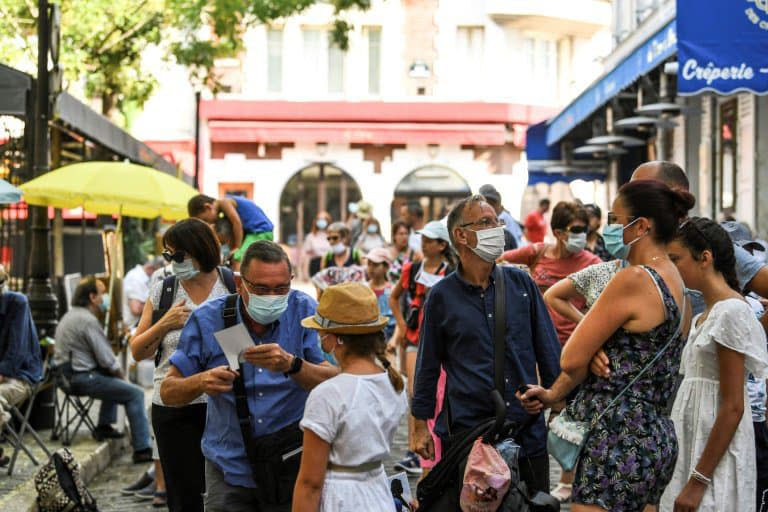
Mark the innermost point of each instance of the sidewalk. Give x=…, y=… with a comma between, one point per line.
x=17, y=492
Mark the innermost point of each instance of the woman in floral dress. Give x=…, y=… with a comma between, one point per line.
x=629, y=456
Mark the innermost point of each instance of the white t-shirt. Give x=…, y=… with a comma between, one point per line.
x=357, y=415
x=135, y=287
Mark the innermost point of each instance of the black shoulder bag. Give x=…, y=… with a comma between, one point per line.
x=274, y=458
x=439, y=490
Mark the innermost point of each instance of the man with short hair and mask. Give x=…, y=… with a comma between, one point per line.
x=278, y=372
x=84, y=350
x=457, y=335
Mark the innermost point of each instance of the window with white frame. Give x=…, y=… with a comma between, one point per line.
x=274, y=60
x=540, y=67
x=313, y=60
x=469, y=55
x=324, y=63
x=374, y=60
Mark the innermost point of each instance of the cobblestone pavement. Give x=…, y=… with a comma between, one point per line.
x=106, y=487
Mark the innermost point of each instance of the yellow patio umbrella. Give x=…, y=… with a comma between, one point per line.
x=111, y=188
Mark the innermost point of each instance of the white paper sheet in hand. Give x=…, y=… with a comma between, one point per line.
x=233, y=340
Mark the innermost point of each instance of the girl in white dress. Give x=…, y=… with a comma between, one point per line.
x=350, y=420
x=715, y=468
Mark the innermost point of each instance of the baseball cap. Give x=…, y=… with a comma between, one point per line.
x=364, y=209
x=435, y=230
x=740, y=235
x=490, y=193
x=379, y=255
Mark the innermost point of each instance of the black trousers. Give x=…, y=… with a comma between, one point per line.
x=178, y=432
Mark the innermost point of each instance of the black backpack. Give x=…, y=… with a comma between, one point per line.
x=170, y=285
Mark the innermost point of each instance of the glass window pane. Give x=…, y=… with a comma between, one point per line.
x=335, y=67
x=312, y=60
x=274, y=60
x=374, y=60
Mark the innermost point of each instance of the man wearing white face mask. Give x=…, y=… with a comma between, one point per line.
x=458, y=335
x=255, y=472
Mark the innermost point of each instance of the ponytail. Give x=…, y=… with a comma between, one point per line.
x=394, y=376
x=366, y=345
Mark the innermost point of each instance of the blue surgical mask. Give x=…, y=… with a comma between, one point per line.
x=105, y=302
x=265, y=309
x=321, y=224
x=373, y=228
x=613, y=236
x=184, y=270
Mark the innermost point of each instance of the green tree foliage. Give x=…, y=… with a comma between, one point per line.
x=102, y=41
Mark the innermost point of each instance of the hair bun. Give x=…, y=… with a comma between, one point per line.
x=684, y=201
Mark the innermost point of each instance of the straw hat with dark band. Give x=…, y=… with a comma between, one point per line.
x=348, y=308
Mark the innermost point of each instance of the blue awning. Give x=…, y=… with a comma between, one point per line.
x=536, y=147
x=723, y=46
x=535, y=177
x=646, y=57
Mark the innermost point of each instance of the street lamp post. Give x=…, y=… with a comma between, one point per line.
x=42, y=301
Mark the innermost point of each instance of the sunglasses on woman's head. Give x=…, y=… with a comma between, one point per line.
x=177, y=256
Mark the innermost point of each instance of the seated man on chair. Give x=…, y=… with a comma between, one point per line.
x=80, y=341
x=20, y=360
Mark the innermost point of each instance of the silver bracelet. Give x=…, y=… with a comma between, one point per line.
x=700, y=477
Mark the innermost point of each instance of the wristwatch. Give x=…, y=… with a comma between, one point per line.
x=295, y=366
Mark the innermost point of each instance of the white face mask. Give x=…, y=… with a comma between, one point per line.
x=427, y=279
x=338, y=248
x=576, y=242
x=490, y=243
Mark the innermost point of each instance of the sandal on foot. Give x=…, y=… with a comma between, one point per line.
x=160, y=499
x=562, y=492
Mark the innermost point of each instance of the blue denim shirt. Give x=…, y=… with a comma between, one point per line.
x=274, y=400
x=20, y=356
x=457, y=334
x=747, y=266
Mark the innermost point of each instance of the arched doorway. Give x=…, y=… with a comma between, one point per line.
x=319, y=186
x=434, y=186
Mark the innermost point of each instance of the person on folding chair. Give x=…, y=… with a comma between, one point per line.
x=80, y=341
x=21, y=363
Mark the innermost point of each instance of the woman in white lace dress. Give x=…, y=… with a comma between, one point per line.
x=715, y=468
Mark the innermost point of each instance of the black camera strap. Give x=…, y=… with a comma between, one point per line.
x=238, y=387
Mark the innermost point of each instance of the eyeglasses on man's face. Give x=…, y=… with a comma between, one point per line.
x=485, y=223
x=576, y=229
x=256, y=289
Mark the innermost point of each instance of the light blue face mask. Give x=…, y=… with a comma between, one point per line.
x=613, y=236
x=184, y=270
x=105, y=302
x=265, y=309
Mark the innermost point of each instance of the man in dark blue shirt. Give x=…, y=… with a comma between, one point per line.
x=20, y=359
x=457, y=334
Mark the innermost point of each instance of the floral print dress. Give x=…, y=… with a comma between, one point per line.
x=629, y=456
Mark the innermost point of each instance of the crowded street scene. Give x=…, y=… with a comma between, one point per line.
x=384, y=255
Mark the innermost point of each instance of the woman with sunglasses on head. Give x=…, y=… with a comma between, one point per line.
x=715, y=467
x=641, y=322
x=192, y=249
